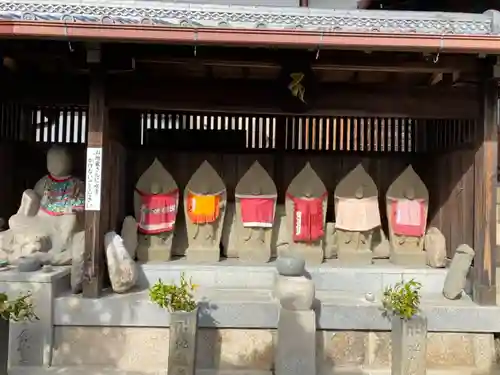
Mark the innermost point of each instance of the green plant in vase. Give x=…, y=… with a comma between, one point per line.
x=174, y=297
x=402, y=299
x=18, y=309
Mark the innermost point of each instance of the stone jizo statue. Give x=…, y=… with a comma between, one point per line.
x=49, y=215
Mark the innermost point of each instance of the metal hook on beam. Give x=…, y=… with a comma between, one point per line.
x=320, y=44
x=195, y=42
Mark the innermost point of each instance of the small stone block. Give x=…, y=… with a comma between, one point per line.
x=203, y=255
x=355, y=257
x=407, y=258
x=153, y=255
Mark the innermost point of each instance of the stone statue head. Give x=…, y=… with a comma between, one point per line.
x=359, y=193
x=409, y=193
x=155, y=188
x=59, y=161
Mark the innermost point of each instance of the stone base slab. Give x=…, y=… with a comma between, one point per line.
x=328, y=276
x=247, y=308
x=145, y=350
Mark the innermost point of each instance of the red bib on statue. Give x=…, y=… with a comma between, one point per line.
x=408, y=217
x=158, y=212
x=257, y=212
x=307, y=219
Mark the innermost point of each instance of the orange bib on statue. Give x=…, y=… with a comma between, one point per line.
x=158, y=212
x=203, y=209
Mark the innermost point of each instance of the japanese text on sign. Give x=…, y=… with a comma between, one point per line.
x=93, y=179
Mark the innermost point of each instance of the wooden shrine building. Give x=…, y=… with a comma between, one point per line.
x=186, y=83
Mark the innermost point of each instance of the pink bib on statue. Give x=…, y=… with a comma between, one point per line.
x=408, y=217
x=158, y=212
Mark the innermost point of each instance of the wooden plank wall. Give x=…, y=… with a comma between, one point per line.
x=334, y=145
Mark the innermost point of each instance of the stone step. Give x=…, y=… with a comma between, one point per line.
x=92, y=370
x=256, y=308
x=329, y=276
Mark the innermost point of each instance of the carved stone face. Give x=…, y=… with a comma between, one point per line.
x=58, y=162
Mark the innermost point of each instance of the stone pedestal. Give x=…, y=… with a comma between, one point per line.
x=296, y=349
x=182, y=342
x=30, y=343
x=409, y=346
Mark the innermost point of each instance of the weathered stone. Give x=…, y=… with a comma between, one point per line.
x=254, y=229
x=449, y=349
x=156, y=191
x=409, y=346
x=290, y=266
x=122, y=269
x=48, y=215
x=204, y=233
x=296, y=349
x=380, y=349
x=306, y=235
x=224, y=349
x=330, y=241
x=456, y=277
x=295, y=292
x=381, y=245
x=182, y=345
x=345, y=348
x=407, y=202
x=435, y=248
x=28, y=264
x=357, y=216
x=129, y=235
x=77, y=248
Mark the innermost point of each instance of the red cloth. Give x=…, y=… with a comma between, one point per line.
x=308, y=223
x=408, y=217
x=257, y=212
x=158, y=212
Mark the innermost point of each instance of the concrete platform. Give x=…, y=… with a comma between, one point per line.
x=247, y=308
x=92, y=370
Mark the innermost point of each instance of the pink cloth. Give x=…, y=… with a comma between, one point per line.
x=408, y=217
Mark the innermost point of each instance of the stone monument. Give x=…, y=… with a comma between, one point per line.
x=407, y=204
x=357, y=216
x=122, y=269
x=306, y=203
x=435, y=248
x=205, y=200
x=255, y=202
x=296, y=346
x=456, y=277
x=49, y=216
x=156, y=201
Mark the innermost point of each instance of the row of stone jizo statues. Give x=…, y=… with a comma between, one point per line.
x=48, y=226
x=255, y=228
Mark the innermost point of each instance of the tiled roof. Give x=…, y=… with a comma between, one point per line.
x=211, y=15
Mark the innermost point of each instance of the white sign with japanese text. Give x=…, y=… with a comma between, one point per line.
x=93, y=179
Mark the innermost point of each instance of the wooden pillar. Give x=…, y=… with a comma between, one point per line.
x=97, y=142
x=485, y=175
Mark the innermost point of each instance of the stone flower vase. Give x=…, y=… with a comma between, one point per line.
x=409, y=345
x=4, y=346
x=182, y=342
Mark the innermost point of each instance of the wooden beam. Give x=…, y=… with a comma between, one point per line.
x=97, y=133
x=485, y=177
x=447, y=64
x=259, y=96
